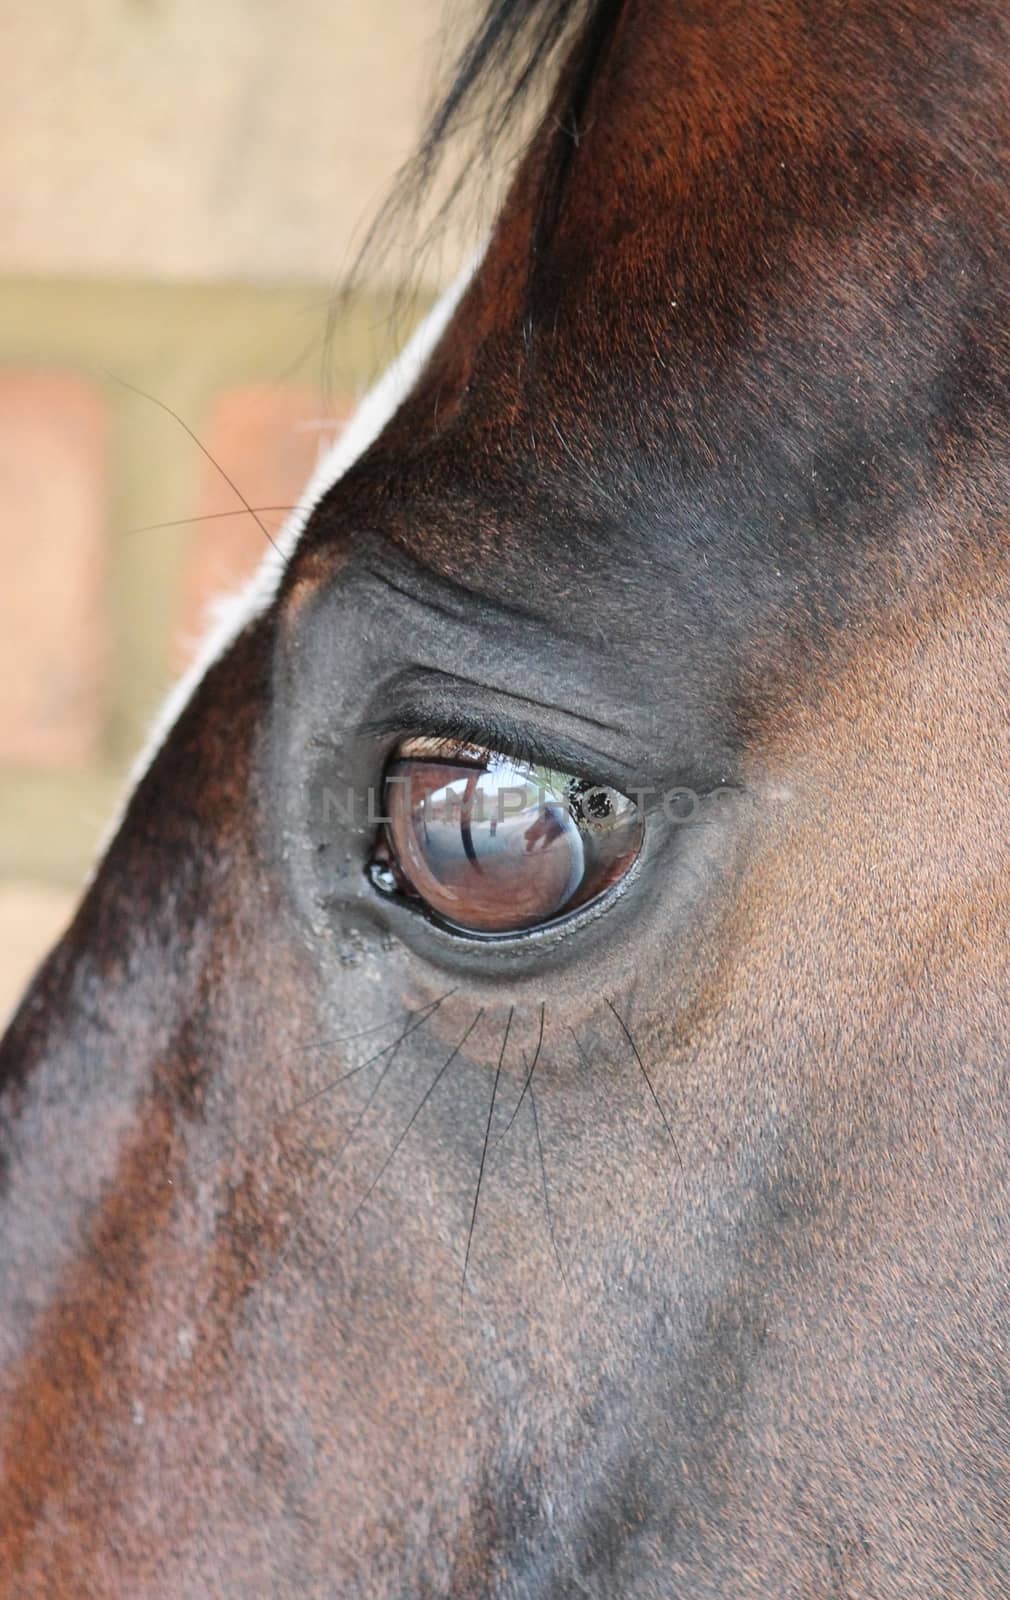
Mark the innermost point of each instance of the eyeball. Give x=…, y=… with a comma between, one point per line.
x=494, y=846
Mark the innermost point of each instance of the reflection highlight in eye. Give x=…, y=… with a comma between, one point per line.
x=492, y=845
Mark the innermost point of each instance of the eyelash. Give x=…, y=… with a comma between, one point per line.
x=500, y=735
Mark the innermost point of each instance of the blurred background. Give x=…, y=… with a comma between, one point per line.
x=186, y=186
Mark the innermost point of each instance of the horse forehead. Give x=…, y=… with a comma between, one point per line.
x=657, y=409
x=615, y=440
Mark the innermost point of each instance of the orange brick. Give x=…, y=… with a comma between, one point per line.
x=52, y=468
x=267, y=439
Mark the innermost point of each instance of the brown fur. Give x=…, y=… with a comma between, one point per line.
x=708, y=474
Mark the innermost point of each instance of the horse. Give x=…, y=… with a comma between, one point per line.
x=521, y=1109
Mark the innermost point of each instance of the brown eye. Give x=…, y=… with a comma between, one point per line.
x=496, y=846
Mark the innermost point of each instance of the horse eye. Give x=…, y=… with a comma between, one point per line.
x=497, y=846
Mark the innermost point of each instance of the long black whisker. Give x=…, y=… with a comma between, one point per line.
x=529, y=1079
x=421, y=1017
x=359, y=1033
x=366, y=1108
x=483, y=1153
x=645, y=1075
x=278, y=1117
x=324, y=1177
x=547, y=1199
x=440, y=1074
x=233, y=486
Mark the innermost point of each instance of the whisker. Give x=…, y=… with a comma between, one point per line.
x=366, y=1108
x=440, y=1074
x=529, y=1079
x=645, y=1075
x=325, y=1176
x=547, y=1199
x=420, y=1016
x=233, y=486
x=359, y=1033
x=357, y=1122
x=206, y=516
x=483, y=1154
x=582, y=1054
x=322, y=1182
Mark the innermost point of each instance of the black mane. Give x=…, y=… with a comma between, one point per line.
x=513, y=60
x=508, y=60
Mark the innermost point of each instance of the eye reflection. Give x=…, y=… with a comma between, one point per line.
x=495, y=846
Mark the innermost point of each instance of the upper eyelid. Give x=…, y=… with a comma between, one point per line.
x=499, y=737
x=427, y=698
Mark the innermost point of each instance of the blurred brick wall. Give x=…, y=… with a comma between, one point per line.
x=208, y=142
x=52, y=468
x=184, y=184
x=59, y=493
x=119, y=532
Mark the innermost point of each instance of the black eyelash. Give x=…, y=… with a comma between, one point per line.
x=500, y=735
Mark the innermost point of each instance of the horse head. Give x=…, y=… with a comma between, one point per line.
x=521, y=1108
